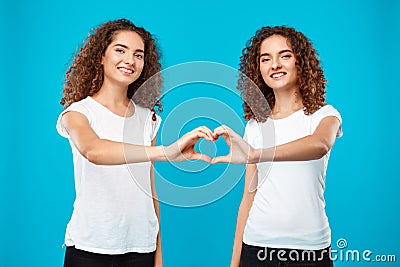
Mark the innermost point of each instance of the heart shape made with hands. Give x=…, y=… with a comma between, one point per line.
x=239, y=150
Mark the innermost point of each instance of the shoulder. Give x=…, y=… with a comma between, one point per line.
x=255, y=126
x=252, y=130
x=80, y=106
x=145, y=113
x=325, y=108
x=326, y=111
x=146, y=116
x=252, y=123
x=141, y=110
x=83, y=107
x=250, y=126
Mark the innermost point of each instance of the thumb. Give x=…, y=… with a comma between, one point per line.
x=203, y=157
x=220, y=159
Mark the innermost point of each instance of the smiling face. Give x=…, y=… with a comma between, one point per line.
x=123, y=60
x=278, y=63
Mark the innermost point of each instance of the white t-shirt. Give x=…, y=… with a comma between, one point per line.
x=289, y=207
x=113, y=210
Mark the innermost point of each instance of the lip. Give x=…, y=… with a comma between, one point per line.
x=126, y=71
x=277, y=75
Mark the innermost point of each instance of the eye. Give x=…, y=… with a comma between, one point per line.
x=287, y=56
x=265, y=59
x=139, y=56
x=120, y=50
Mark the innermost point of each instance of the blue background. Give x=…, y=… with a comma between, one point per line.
x=358, y=43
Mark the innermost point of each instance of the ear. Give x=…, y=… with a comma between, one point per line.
x=103, y=55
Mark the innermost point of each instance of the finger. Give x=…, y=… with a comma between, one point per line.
x=204, y=135
x=207, y=131
x=221, y=159
x=220, y=130
x=195, y=135
x=225, y=136
x=223, y=127
x=203, y=157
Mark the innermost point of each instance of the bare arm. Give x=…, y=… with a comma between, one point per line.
x=106, y=152
x=311, y=147
x=244, y=209
x=158, y=260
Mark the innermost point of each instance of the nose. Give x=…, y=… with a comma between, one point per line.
x=129, y=59
x=276, y=64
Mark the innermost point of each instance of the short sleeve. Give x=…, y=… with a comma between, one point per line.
x=326, y=111
x=251, y=132
x=78, y=107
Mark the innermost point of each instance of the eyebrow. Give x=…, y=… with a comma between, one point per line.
x=280, y=52
x=124, y=46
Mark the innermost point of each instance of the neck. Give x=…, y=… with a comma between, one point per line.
x=287, y=101
x=112, y=95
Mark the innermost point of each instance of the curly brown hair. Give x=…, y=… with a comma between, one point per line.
x=311, y=79
x=85, y=75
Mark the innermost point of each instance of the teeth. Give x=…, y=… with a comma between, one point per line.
x=126, y=70
x=277, y=75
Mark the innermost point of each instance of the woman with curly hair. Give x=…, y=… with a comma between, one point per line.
x=281, y=219
x=115, y=221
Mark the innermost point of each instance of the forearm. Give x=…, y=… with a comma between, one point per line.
x=303, y=149
x=106, y=152
x=158, y=260
x=243, y=215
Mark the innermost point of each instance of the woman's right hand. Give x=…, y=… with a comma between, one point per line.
x=183, y=148
x=240, y=152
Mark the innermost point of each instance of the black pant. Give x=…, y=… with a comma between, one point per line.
x=79, y=258
x=253, y=256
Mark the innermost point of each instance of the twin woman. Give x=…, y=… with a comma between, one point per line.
x=114, y=222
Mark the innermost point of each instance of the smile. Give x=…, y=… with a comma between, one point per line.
x=277, y=75
x=125, y=70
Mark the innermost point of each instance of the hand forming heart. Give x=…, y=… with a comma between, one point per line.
x=240, y=152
